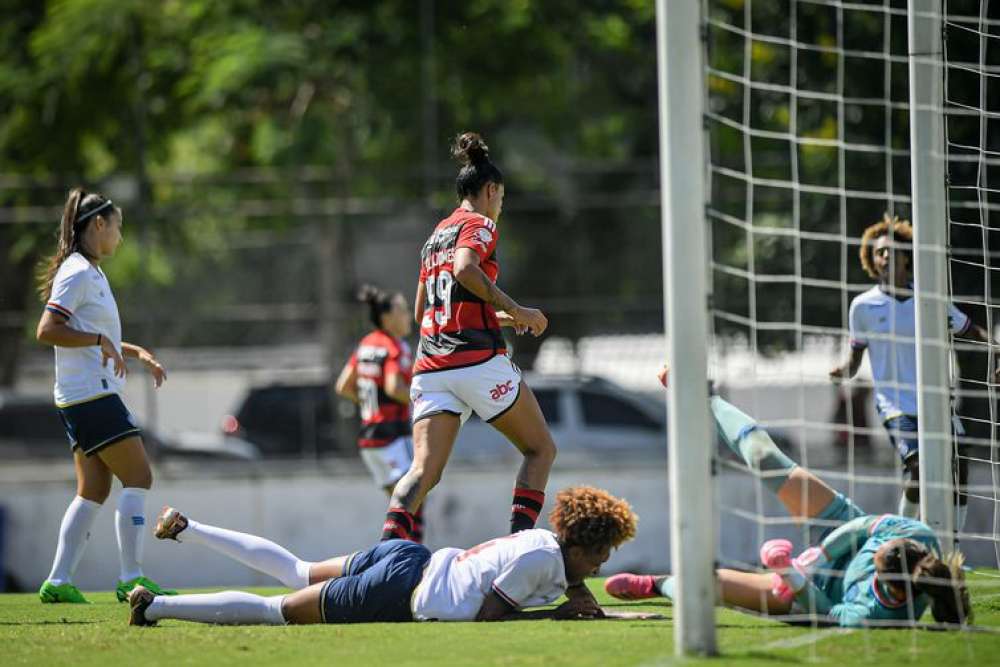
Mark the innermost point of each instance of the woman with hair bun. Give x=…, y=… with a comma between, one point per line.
x=81, y=322
x=462, y=363
x=377, y=378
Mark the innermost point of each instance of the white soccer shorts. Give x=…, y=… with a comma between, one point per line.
x=490, y=389
x=387, y=464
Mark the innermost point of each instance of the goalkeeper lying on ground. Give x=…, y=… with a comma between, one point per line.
x=399, y=580
x=870, y=569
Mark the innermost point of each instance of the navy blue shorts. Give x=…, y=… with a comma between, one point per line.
x=903, y=435
x=377, y=584
x=93, y=425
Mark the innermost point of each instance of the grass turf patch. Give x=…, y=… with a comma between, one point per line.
x=98, y=634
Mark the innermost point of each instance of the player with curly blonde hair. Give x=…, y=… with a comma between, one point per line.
x=399, y=580
x=882, y=321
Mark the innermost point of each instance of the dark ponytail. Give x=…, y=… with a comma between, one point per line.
x=379, y=303
x=944, y=582
x=80, y=209
x=477, y=168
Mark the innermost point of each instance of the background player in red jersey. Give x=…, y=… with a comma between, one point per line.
x=462, y=363
x=377, y=378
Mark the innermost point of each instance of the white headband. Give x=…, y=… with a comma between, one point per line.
x=90, y=214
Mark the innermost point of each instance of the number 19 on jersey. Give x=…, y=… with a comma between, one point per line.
x=439, y=296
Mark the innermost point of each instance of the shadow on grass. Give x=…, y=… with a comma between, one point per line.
x=60, y=622
x=755, y=656
x=659, y=606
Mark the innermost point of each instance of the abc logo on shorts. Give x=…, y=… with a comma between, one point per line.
x=502, y=389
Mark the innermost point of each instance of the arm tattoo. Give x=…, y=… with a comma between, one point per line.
x=495, y=296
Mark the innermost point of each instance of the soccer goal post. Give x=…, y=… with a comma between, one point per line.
x=930, y=235
x=682, y=200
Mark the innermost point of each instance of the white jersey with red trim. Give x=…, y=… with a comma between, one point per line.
x=81, y=293
x=525, y=569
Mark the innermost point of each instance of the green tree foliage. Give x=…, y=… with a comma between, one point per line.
x=102, y=88
x=131, y=94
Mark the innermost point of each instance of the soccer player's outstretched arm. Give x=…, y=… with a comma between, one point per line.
x=963, y=327
x=347, y=382
x=841, y=542
x=147, y=359
x=849, y=614
x=472, y=278
x=849, y=368
x=859, y=343
x=848, y=537
x=496, y=608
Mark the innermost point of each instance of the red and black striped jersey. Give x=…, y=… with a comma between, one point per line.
x=378, y=356
x=458, y=328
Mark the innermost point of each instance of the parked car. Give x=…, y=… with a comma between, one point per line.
x=590, y=418
x=30, y=428
x=287, y=420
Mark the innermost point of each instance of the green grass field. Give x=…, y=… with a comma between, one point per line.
x=98, y=634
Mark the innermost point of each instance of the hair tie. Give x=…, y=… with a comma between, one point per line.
x=92, y=213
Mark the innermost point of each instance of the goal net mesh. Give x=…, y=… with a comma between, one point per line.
x=807, y=138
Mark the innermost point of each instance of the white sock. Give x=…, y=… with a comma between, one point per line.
x=130, y=526
x=908, y=509
x=74, y=533
x=255, y=552
x=225, y=608
x=961, y=512
x=666, y=587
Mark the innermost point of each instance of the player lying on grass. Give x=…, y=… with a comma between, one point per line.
x=399, y=580
x=870, y=569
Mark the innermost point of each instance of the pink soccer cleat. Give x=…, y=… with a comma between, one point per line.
x=776, y=554
x=631, y=586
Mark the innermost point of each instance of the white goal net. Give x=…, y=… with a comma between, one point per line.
x=972, y=135
x=807, y=116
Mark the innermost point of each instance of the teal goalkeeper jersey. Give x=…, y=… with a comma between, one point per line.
x=857, y=596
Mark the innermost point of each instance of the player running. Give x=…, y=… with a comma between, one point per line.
x=870, y=569
x=883, y=322
x=81, y=321
x=398, y=580
x=462, y=363
x=377, y=378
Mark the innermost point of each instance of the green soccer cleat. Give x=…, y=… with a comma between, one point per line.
x=125, y=587
x=50, y=594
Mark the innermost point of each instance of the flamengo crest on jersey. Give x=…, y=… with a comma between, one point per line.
x=383, y=420
x=525, y=569
x=458, y=328
x=81, y=294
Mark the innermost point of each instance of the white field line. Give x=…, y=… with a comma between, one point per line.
x=805, y=640
x=793, y=642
